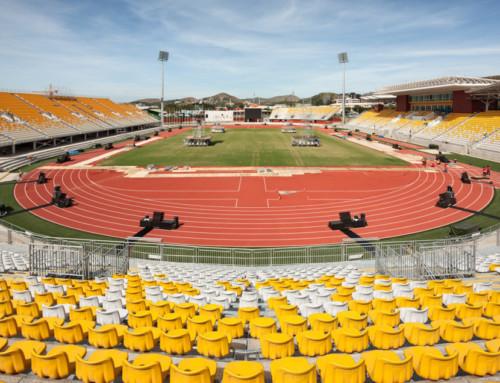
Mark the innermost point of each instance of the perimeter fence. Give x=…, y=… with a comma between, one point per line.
x=412, y=259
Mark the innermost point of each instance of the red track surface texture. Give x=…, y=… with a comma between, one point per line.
x=252, y=209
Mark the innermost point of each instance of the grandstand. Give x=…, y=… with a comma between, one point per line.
x=458, y=113
x=151, y=320
x=31, y=118
x=315, y=114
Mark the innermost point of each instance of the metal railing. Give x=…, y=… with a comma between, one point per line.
x=395, y=257
x=77, y=261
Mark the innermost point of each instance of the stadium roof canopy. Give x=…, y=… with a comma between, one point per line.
x=487, y=94
x=442, y=84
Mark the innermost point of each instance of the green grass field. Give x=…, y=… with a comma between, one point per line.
x=253, y=147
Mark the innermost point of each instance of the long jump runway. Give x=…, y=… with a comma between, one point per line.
x=250, y=208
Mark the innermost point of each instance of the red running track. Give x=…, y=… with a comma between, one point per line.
x=255, y=210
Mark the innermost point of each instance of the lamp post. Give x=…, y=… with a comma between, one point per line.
x=342, y=60
x=163, y=56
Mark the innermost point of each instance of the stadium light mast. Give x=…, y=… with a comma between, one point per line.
x=163, y=56
x=343, y=60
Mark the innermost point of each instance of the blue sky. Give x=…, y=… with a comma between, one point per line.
x=109, y=48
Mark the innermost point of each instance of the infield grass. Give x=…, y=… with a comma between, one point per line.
x=253, y=147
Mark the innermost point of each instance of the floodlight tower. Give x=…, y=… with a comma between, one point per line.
x=163, y=56
x=343, y=60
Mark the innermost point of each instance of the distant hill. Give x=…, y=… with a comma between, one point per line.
x=323, y=98
x=147, y=101
x=221, y=98
x=493, y=77
x=226, y=98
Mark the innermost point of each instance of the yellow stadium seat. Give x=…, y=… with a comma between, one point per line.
x=382, y=317
x=385, y=337
x=423, y=291
x=83, y=284
x=340, y=368
x=48, y=298
x=11, y=326
x=285, y=310
x=275, y=345
x=484, y=328
x=193, y=370
x=142, y=319
x=493, y=345
x=5, y=295
x=177, y=341
x=474, y=360
x=491, y=309
x=85, y=313
x=94, y=292
x=200, y=324
x=243, y=372
x=135, y=306
x=41, y=329
x=231, y=326
x=293, y=324
x=160, y=308
x=436, y=283
x=141, y=339
x=431, y=300
x=494, y=296
x=346, y=289
x=384, y=304
x=103, y=366
x=474, y=298
x=64, y=281
x=17, y=358
x=452, y=331
x=461, y=288
x=429, y=363
x=386, y=367
x=262, y=326
x=58, y=363
x=464, y=310
x=212, y=310
x=313, y=343
x=246, y=314
x=107, y=336
x=67, y=300
x=368, y=279
x=214, y=344
x=453, y=282
x=18, y=285
x=361, y=307
x=237, y=289
x=169, y=322
x=323, y=322
x=73, y=332
x=186, y=310
x=290, y=369
x=339, y=297
x=439, y=313
x=274, y=302
x=146, y=368
x=440, y=290
x=420, y=334
x=7, y=308
x=350, y=340
x=352, y=319
x=32, y=309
